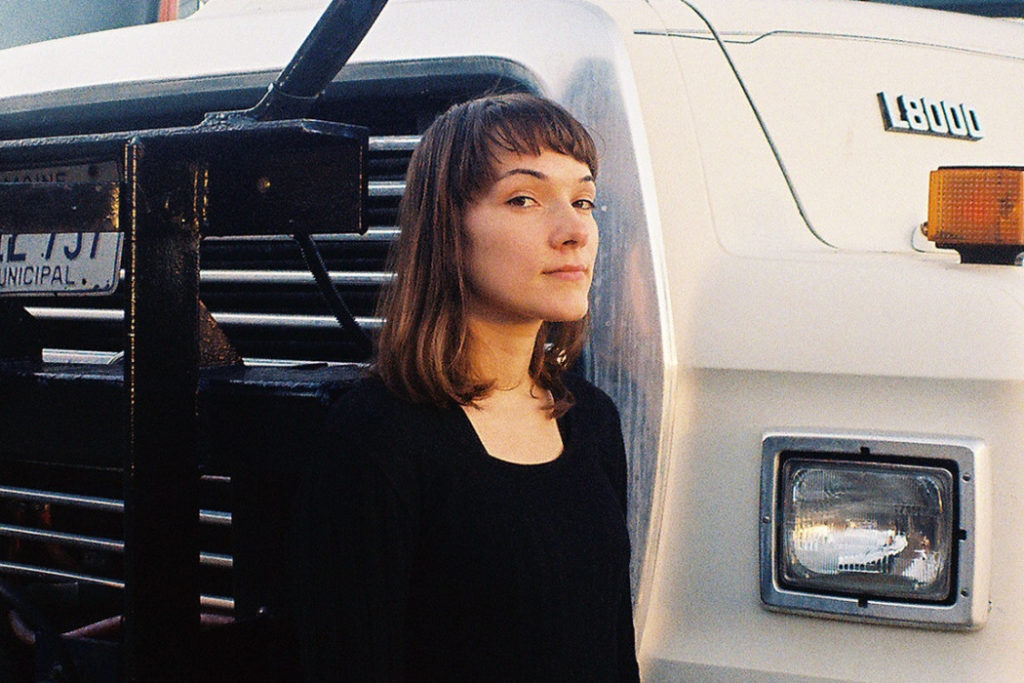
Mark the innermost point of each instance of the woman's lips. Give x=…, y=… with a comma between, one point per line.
x=570, y=273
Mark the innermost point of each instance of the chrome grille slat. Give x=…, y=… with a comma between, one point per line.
x=218, y=560
x=111, y=357
x=290, y=277
x=213, y=601
x=375, y=234
x=47, y=573
x=91, y=542
x=393, y=143
x=215, y=517
x=386, y=188
x=293, y=321
x=217, y=602
x=69, y=499
x=252, y=319
x=85, y=356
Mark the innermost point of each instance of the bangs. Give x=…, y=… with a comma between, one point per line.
x=522, y=125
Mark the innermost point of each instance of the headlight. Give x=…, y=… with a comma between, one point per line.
x=875, y=529
x=867, y=529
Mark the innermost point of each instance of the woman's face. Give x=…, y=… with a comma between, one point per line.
x=531, y=241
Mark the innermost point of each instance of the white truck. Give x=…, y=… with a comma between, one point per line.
x=814, y=335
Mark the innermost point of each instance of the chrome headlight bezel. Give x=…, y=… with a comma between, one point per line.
x=963, y=606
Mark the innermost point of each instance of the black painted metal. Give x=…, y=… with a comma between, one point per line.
x=341, y=28
x=77, y=207
x=316, y=265
x=238, y=174
x=243, y=177
x=54, y=663
x=274, y=177
x=20, y=338
x=256, y=419
x=162, y=372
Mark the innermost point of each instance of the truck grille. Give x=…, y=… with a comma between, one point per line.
x=54, y=538
x=258, y=288
x=61, y=482
x=63, y=539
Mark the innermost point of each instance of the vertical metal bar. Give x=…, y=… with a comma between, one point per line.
x=164, y=204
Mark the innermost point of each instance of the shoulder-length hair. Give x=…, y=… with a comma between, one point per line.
x=423, y=348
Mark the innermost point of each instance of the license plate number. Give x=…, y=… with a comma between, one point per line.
x=61, y=262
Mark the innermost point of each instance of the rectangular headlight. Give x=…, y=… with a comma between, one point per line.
x=875, y=528
x=867, y=529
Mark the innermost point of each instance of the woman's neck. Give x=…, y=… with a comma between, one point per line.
x=513, y=421
x=501, y=352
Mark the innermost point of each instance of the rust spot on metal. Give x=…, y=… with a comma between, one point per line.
x=215, y=349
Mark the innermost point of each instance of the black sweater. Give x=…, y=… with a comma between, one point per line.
x=421, y=557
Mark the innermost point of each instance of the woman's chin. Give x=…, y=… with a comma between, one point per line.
x=567, y=314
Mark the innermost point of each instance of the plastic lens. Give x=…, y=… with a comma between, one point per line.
x=867, y=529
x=976, y=206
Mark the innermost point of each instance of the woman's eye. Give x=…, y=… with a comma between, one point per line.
x=585, y=204
x=521, y=200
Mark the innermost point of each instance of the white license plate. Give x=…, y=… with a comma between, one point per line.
x=61, y=262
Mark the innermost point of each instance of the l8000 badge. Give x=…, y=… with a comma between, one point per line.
x=926, y=116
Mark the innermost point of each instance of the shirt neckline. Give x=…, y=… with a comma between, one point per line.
x=469, y=434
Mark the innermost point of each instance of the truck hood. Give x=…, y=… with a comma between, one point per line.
x=816, y=79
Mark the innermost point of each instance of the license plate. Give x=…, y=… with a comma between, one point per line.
x=61, y=262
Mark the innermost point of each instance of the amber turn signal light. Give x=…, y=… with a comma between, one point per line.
x=977, y=211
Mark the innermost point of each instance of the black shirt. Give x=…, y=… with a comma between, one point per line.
x=424, y=558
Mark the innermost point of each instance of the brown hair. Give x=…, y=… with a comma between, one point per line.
x=422, y=352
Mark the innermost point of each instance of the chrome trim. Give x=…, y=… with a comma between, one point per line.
x=292, y=277
x=394, y=143
x=968, y=459
x=69, y=499
x=291, y=320
x=381, y=233
x=111, y=357
x=92, y=542
x=62, y=313
x=213, y=517
x=45, y=573
x=387, y=188
x=631, y=353
x=252, y=319
x=287, y=363
x=218, y=560
x=215, y=601
x=82, y=356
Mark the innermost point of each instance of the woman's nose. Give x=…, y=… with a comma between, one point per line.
x=572, y=227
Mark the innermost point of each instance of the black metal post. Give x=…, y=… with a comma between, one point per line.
x=341, y=28
x=161, y=214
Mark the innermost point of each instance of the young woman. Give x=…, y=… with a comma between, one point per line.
x=466, y=518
